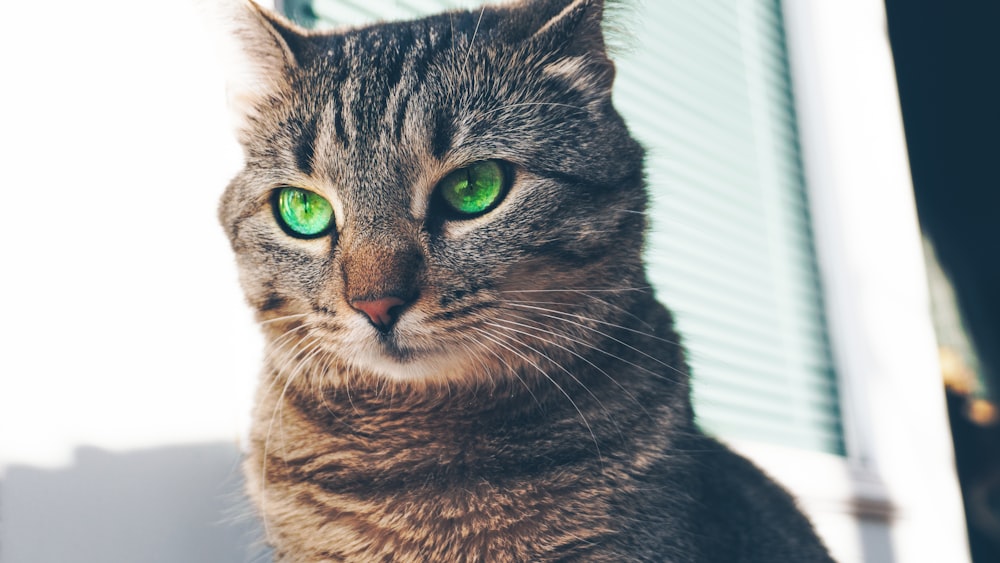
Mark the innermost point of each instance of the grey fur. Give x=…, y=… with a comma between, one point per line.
x=531, y=403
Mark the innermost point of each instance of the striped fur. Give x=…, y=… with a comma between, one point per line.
x=531, y=401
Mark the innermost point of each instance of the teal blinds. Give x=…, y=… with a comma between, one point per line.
x=319, y=13
x=705, y=87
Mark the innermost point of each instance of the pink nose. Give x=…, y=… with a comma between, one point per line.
x=382, y=312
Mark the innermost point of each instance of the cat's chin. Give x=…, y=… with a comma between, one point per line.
x=405, y=365
x=408, y=353
x=395, y=358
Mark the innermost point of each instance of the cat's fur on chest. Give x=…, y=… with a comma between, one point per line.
x=440, y=225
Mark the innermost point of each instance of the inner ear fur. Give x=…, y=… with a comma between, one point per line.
x=260, y=51
x=573, y=31
x=573, y=25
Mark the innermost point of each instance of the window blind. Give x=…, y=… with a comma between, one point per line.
x=705, y=87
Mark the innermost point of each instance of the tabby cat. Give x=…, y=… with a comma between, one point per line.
x=440, y=225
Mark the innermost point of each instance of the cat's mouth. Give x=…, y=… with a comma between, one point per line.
x=402, y=356
x=391, y=346
x=411, y=349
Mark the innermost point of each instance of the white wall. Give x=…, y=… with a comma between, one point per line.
x=127, y=357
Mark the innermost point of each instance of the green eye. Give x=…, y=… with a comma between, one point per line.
x=474, y=189
x=303, y=213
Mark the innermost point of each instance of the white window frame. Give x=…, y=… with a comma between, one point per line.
x=895, y=496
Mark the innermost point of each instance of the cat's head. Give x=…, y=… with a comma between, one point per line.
x=447, y=198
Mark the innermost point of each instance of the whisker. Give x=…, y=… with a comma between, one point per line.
x=547, y=330
x=275, y=346
x=326, y=405
x=612, y=338
x=467, y=344
x=591, y=346
x=475, y=32
x=533, y=305
x=302, y=365
x=283, y=318
x=270, y=426
x=287, y=339
x=513, y=371
x=309, y=349
x=490, y=335
x=600, y=403
x=581, y=290
x=629, y=211
x=598, y=299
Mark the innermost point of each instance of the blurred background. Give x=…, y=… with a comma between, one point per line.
x=948, y=95
x=823, y=225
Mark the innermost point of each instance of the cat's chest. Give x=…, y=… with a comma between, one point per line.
x=426, y=492
x=356, y=517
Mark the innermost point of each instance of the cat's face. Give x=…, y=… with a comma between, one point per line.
x=419, y=198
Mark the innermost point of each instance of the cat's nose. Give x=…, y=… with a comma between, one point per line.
x=382, y=312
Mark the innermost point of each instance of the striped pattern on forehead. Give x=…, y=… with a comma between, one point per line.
x=371, y=76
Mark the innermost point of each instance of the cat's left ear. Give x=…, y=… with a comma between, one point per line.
x=575, y=24
x=573, y=29
x=259, y=49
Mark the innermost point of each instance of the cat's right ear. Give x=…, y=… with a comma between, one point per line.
x=574, y=30
x=258, y=50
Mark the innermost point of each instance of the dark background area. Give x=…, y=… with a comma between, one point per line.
x=948, y=67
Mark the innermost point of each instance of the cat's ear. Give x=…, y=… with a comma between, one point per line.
x=259, y=49
x=573, y=24
x=574, y=30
